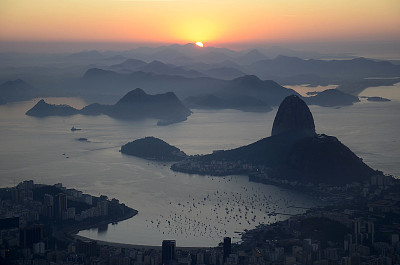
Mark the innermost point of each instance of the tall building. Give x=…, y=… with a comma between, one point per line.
x=60, y=205
x=87, y=247
x=48, y=206
x=227, y=247
x=168, y=252
x=31, y=235
x=371, y=231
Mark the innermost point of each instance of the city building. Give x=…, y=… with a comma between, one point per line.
x=168, y=252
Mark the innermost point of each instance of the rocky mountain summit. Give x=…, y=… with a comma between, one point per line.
x=294, y=153
x=293, y=116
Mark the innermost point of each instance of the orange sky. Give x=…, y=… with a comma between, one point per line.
x=210, y=21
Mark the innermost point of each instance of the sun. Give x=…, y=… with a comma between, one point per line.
x=200, y=44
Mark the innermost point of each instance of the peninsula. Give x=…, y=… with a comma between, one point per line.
x=293, y=153
x=54, y=212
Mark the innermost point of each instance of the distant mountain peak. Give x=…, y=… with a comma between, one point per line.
x=134, y=95
x=247, y=80
x=256, y=54
x=252, y=78
x=287, y=58
x=190, y=44
x=137, y=91
x=94, y=72
x=132, y=60
x=16, y=82
x=129, y=63
x=156, y=62
x=361, y=59
x=293, y=116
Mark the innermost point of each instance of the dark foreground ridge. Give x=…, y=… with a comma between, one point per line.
x=294, y=153
x=135, y=105
x=152, y=148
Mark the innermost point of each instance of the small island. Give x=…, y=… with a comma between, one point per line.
x=376, y=99
x=330, y=98
x=152, y=148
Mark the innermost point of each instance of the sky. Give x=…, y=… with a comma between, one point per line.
x=214, y=22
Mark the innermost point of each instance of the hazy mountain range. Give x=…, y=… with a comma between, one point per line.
x=203, y=77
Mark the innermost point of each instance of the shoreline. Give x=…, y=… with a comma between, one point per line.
x=74, y=235
x=108, y=221
x=133, y=246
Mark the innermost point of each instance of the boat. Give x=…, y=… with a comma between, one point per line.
x=73, y=129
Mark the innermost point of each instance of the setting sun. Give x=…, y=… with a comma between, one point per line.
x=200, y=44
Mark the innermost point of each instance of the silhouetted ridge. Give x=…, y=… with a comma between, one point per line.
x=16, y=90
x=247, y=93
x=128, y=64
x=133, y=96
x=247, y=80
x=267, y=90
x=294, y=152
x=293, y=116
x=15, y=82
x=97, y=72
x=136, y=104
x=43, y=109
x=324, y=158
x=287, y=59
x=255, y=54
x=251, y=57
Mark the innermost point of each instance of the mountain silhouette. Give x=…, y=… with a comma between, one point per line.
x=129, y=65
x=358, y=68
x=97, y=82
x=248, y=93
x=250, y=57
x=226, y=73
x=16, y=90
x=267, y=91
x=293, y=116
x=158, y=67
x=135, y=105
x=43, y=109
x=294, y=152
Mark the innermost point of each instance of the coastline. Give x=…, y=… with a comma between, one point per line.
x=81, y=227
x=68, y=232
x=133, y=246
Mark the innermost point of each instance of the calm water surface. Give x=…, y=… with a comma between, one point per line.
x=194, y=210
